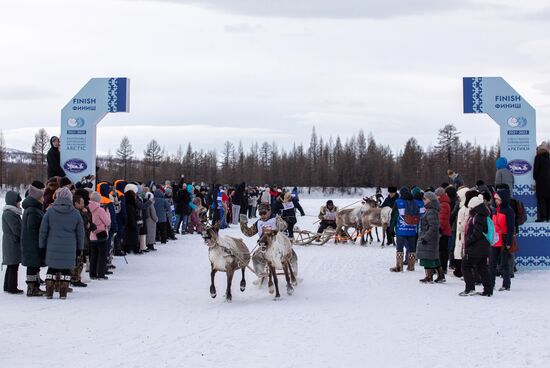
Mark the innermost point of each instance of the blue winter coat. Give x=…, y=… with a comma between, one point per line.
x=32, y=218
x=61, y=234
x=161, y=206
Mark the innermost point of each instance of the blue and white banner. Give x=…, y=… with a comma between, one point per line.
x=79, y=119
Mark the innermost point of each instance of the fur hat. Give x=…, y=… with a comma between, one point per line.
x=131, y=187
x=149, y=196
x=431, y=196
x=64, y=192
x=469, y=195
x=95, y=197
x=65, y=181
x=475, y=201
x=35, y=192
x=439, y=192
x=392, y=189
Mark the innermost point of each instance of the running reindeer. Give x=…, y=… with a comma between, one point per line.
x=277, y=250
x=226, y=254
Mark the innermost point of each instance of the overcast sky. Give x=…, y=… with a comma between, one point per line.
x=253, y=70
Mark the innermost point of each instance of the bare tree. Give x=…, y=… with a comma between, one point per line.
x=152, y=157
x=125, y=154
x=39, y=150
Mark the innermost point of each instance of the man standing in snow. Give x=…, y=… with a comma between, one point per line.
x=389, y=202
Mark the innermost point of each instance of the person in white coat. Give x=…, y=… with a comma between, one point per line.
x=464, y=196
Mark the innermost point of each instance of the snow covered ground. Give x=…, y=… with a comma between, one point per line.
x=349, y=311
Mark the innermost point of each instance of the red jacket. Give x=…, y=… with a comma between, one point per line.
x=445, y=215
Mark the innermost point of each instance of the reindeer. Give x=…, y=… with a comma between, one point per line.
x=277, y=250
x=352, y=217
x=226, y=254
x=375, y=217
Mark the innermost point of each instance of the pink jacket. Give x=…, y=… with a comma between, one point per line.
x=101, y=219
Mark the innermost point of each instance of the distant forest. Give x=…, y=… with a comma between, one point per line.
x=358, y=161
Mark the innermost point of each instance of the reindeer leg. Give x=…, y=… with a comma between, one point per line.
x=228, y=296
x=212, y=286
x=270, y=282
x=383, y=234
x=377, y=237
x=292, y=276
x=289, y=288
x=275, y=281
x=243, y=281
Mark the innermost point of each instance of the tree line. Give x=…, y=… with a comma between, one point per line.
x=358, y=161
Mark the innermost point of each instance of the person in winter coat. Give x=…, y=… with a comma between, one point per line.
x=504, y=219
x=11, y=241
x=445, y=228
x=51, y=186
x=461, y=220
x=61, y=235
x=237, y=200
x=120, y=216
x=53, y=158
x=427, y=247
x=406, y=213
x=476, y=248
x=181, y=207
x=131, y=230
x=327, y=215
x=30, y=229
x=389, y=202
x=101, y=218
x=151, y=219
x=503, y=177
x=162, y=208
x=288, y=213
x=455, y=179
x=253, y=197
x=541, y=174
x=296, y=201
x=80, y=205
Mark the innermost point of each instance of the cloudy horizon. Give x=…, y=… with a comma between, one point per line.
x=209, y=71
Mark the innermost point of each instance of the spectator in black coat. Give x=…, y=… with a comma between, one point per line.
x=54, y=159
x=476, y=249
x=390, y=202
x=541, y=174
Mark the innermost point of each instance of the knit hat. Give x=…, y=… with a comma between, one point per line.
x=35, y=192
x=64, y=193
x=501, y=163
x=416, y=191
x=65, y=181
x=431, y=196
x=38, y=184
x=95, y=197
x=439, y=192
x=476, y=201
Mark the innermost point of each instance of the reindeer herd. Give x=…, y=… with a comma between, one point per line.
x=274, y=249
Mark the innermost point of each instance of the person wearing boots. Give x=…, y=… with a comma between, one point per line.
x=407, y=213
x=101, y=219
x=427, y=247
x=389, y=202
x=445, y=227
x=464, y=196
x=11, y=241
x=504, y=219
x=476, y=249
x=151, y=219
x=30, y=229
x=61, y=235
x=80, y=204
x=288, y=213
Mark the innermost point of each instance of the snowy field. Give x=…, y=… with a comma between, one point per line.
x=349, y=311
